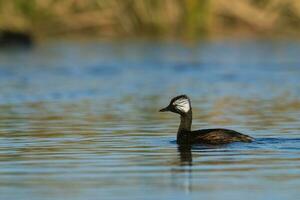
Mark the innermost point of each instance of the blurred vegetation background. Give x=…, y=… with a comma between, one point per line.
x=185, y=19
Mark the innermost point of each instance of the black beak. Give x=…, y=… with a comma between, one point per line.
x=165, y=109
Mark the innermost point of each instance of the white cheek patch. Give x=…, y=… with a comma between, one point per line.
x=182, y=104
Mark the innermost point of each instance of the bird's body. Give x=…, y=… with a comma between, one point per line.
x=182, y=105
x=212, y=136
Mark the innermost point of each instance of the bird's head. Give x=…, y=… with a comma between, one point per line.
x=180, y=105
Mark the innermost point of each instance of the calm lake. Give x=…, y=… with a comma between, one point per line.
x=80, y=120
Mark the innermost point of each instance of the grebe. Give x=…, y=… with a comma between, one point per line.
x=182, y=106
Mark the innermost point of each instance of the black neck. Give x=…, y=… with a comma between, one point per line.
x=185, y=123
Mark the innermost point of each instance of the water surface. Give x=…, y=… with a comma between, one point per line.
x=80, y=120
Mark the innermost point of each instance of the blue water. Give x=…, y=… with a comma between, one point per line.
x=80, y=120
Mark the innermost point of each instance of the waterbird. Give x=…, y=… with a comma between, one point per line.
x=182, y=105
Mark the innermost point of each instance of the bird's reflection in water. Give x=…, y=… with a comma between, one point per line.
x=185, y=155
x=182, y=172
